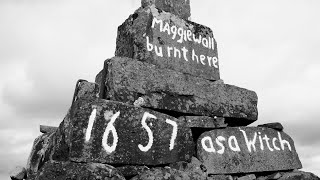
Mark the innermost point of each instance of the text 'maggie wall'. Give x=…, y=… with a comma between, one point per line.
x=182, y=37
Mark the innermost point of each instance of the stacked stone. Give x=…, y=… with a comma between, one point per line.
x=159, y=110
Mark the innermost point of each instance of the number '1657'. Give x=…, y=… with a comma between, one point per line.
x=111, y=129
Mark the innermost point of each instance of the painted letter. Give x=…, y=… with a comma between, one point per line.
x=169, y=49
x=215, y=61
x=106, y=133
x=205, y=42
x=180, y=33
x=274, y=144
x=283, y=142
x=205, y=147
x=250, y=143
x=90, y=124
x=189, y=34
x=235, y=142
x=155, y=20
x=174, y=31
x=167, y=28
x=176, y=52
x=267, y=141
x=185, y=50
x=150, y=135
x=197, y=40
x=260, y=140
x=158, y=51
x=194, y=56
x=149, y=45
x=202, y=58
x=218, y=141
x=174, y=132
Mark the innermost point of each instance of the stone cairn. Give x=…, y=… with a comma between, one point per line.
x=159, y=110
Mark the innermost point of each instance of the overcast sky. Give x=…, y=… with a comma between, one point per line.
x=271, y=47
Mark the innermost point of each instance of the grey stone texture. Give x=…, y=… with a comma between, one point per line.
x=48, y=129
x=53, y=170
x=134, y=82
x=276, y=126
x=120, y=142
x=203, y=121
x=166, y=173
x=18, y=173
x=299, y=175
x=247, y=149
x=40, y=153
x=181, y=8
x=150, y=35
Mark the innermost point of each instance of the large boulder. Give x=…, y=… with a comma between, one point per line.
x=40, y=153
x=163, y=39
x=116, y=133
x=168, y=173
x=52, y=170
x=143, y=84
x=246, y=150
x=180, y=8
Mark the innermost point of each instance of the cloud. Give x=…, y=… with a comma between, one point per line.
x=15, y=148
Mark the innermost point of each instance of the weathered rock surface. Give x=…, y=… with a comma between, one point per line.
x=40, y=152
x=298, y=175
x=163, y=39
x=248, y=177
x=48, y=129
x=168, y=173
x=131, y=81
x=246, y=149
x=277, y=126
x=130, y=171
x=180, y=8
x=69, y=170
x=193, y=167
x=220, y=177
x=86, y=90
x=203, y=121
x=115, y=133
x=18, y=173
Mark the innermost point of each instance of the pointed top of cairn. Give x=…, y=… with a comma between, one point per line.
x=180, y=8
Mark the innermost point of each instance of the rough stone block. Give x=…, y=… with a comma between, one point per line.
x=248, y=177
x=203, y=121
x=86, y=90
x=48, y=129
x=40, y=152
x=18, y=173
x=69, y=170
x=146, y=85
x=276, y=126
x=115, y=133
x=129, y=171
x=247, y=150
x=180, y=8
x=299, y=175
x=163, y=39
x=167, y=173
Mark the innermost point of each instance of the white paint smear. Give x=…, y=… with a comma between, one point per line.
x=112, y=129
x=150, y=135
x=90, y=124
x=174, y=133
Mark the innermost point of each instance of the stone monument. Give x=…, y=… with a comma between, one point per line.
x=160, y=110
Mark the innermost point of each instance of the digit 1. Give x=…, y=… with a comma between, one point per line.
x=174, y=132
x=150, y=135
x=106, y=133
x=90, y=124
